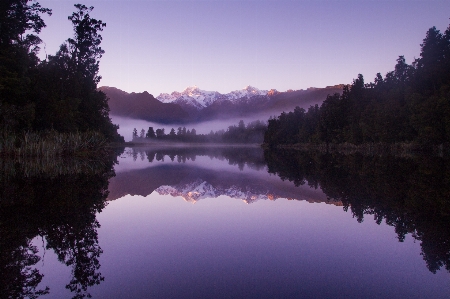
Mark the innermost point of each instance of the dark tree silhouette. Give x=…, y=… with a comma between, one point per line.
x=59, y=93
x=20, y=24
x=410, y=105
x=150, y=133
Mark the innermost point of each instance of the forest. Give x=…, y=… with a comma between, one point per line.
x=411, y=105
x=57, y=96
x=253, y=132
x=56, y=99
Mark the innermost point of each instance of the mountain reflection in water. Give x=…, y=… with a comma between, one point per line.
x=410, y=194
x=199, y=173
x=151, y=244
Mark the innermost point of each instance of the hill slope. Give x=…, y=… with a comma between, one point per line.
x=143, y=106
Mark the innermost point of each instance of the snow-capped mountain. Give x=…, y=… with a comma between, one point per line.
x=193, y=94
x=196, y=105
x=199, y=99
x=247, y=92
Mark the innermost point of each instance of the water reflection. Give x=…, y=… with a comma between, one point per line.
x=58, y=202
x=275, y=246
x=251, y=157
x=412, y=195
x=216, y=172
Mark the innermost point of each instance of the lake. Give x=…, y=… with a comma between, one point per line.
x=226, y=222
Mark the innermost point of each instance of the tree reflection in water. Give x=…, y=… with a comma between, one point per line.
x=246, y=155
x=58, y=202
x=410, y=194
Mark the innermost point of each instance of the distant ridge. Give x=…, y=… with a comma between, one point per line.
x=142, y=106
x=196, y=105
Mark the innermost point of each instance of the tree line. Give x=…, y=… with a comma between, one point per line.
x=58, y=93
x=253, y=132
x=410, y=104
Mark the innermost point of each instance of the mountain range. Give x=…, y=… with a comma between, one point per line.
x=199, y=99
x=196, y=105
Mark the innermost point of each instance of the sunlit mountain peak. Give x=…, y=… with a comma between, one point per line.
x=195, y=98
x=191, y=89
x=251, y=89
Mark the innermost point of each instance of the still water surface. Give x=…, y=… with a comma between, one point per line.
x=214, y=223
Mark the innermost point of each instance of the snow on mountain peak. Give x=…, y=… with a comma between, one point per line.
x=191, y=90
x=166, y=98
x=201, y=98
x=247, y=92
x=251, y=89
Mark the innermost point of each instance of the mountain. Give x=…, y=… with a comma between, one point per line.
x=143, y=106
x=304, y=98
x=191, y=96
x=196, y=102
x=264, y=104
x=200, y=98
x=196, y=105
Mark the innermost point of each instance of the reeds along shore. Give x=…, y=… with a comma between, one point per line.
x=51, y=144
x=50, y=167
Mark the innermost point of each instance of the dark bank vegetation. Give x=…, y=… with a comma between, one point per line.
x=253, y=132
x=407, y=109
x=52, y=144
x=412, y=195
x=53, y=166
x=58, y=94
x=56, y=200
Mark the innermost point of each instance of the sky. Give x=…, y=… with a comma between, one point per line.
x=225, y=45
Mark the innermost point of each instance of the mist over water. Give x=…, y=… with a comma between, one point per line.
x=126, y=125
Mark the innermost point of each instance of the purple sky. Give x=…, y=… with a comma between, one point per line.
x=163, y=46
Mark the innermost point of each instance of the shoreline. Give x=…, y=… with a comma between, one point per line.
x=189, y=144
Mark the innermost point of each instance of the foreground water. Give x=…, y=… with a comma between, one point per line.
x=229, y=223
